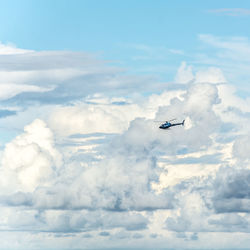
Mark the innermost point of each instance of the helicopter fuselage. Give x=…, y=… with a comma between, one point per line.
x=167, y=124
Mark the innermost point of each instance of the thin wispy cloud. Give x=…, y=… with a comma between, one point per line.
x=230, y=53
x=231, y=12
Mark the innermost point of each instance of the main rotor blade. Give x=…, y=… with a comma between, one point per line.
x=166, y=120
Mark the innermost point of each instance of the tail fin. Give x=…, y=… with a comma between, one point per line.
x=183, y=122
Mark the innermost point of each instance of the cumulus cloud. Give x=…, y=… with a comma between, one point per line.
x=31, y=156
x=85, y=118
x=241, y=147
x=98, y=168
x=184, y=74
x=57, y=221
x=123, y=176
x=98, y=113
x=211, y=75
x=208, y=75
x=114, y=183
x=232, y=190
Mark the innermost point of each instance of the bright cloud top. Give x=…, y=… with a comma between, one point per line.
x=93, y=169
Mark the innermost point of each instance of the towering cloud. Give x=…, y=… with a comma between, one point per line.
x=94, y=168
x=31, y=158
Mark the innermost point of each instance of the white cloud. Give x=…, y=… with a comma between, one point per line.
x=232, y=11
x=184, y=74
x=233, y=44
x=31, y=157
x=121, y=177
x=66, y=76
x=241, y=147
x=10, y=90
x=211, y=75
x=10, y=49
x=230, y=54
x=37, y=76
x=107, y=115
x=85, y=118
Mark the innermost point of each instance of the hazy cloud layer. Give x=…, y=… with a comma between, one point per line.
x=61, y=77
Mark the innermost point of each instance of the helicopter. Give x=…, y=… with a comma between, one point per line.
x=168, y=124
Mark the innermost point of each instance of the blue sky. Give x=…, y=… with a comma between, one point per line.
x=103, y=25
x=118, y=30
x=83, y=163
